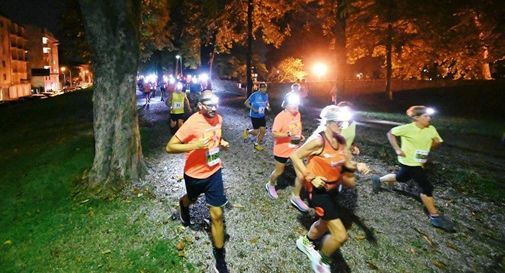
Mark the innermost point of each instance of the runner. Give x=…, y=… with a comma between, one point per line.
x=201, y=139
x=177, y=103
x=328, y=165
x=287, y=134
x=258, y=103
x=349, y=134
x=417, y=140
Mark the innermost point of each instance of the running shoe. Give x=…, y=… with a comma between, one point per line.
x=376, y=184
x=442, y=222
x=298, y=203
x=320, y=267
x=304, y=245
x=271, y=191
x=184, y=215
x=220, y=265
x=258, y=147
x=245, y=135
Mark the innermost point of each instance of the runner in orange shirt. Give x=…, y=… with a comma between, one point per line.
x=328, y=165
x=200, y=138
x=287, y=133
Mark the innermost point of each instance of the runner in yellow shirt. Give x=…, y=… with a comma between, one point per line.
x=417, y=140
x=177, y=102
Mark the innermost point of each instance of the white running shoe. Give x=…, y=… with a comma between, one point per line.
x=305, y=246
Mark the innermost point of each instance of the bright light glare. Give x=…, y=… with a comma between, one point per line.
x=171, y=80
x=194, y=80
x=345, y=114
x=293, y=100
x=320, y=69
x=178, y=86
x=203, y=77
x=430, y=111
x=151, y=78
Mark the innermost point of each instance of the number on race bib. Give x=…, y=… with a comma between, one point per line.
x=213, y=156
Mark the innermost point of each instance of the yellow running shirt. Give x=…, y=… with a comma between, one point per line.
x=415, y=143
x=349, y=134
x=177, y=103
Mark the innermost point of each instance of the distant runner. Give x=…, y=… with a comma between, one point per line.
x=200, y=138
x=328, y=165
x=287, y=134
x=178, y=102
x=258, y=103
x=417, y=140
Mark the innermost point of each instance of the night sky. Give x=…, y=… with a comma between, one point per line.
x=43, y=13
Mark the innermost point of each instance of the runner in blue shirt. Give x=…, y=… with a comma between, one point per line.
x=258, y=103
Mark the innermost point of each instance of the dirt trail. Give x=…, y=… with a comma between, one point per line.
x=388, y=231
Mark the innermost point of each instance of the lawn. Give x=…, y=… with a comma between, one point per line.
x=46, y=147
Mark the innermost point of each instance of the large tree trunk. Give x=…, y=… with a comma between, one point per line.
x=249, y=48
x=340, y=53
x=112, y=29
x=486, y=70
x=389, y=65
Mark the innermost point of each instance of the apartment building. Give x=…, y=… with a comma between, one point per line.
x=43, y=64
x=14, y=81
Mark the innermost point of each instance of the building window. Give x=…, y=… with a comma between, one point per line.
x=44, y=40
x=46, y=67
x=3, y=64
x=45, y=49
x=5, y=77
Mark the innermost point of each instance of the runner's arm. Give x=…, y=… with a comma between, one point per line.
x=175, y=145
x=188, y=105
x=394, y=143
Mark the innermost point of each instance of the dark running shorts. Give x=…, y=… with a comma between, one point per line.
x=258, y=122
x=282, y=160
x=325, y=204
x=176, y=117
x=212, y=186
x=416, y=173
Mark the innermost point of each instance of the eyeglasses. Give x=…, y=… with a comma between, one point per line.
x=210, y=106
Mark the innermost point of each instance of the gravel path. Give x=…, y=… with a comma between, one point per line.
x=388, y=231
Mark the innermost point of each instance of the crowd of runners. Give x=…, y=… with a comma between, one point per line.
x=324, y=162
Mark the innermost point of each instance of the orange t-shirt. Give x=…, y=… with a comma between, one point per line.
x=329, y=162
x=284, y=122
x=201, y=163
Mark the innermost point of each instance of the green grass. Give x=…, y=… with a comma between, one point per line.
x=485, y=127
x=43, y=228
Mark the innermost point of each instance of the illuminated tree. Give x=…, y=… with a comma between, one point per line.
x=112, y=28
x=288, y=70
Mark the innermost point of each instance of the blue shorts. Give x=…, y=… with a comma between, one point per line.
x=212, y=186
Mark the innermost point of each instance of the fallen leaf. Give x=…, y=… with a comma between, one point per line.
x=440, y=264
x=413, y=251
x=360, y=237
x=181, y=253
x=452, y=246
x=84, y=201
x=237, y=205
x=372, y=266
x=107, y=251
x=180, y=245
x=8, y=242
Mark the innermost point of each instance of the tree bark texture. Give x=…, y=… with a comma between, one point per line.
x=340, y=52
x=249, y=53
x=112, y=27
x=389, y=64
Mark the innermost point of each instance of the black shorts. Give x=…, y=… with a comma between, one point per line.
x=416, y=173
x=282, y=160
x=176, y=117
x=212, y=186
x=325, y=204
x=258, y=122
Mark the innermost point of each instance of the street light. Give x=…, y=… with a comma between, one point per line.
x=63, y=71
x=179, y=59
x=320, y=70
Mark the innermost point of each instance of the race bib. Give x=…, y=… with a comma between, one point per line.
x=177, y=105
x=213, y=156
x=421, y=156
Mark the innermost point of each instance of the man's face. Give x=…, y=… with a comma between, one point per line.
x=208, y=109
x=423, y=119
x=263, y=88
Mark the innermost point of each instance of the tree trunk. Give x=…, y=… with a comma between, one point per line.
x=249, y=48
x=389, y=65
x=340, y=53
x=112, y=29
x=486, y=70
